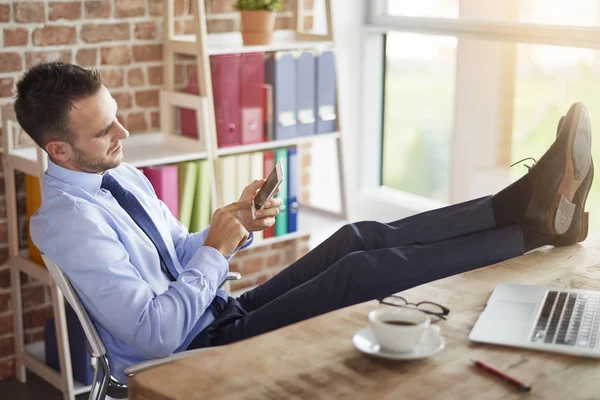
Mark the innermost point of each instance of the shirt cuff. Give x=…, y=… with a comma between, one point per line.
x=211, y=263
x=248, y=242
x=244, y=246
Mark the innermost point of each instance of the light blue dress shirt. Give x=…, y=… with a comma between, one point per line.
x=115, y=268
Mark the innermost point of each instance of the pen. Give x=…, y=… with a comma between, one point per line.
x=493, y=371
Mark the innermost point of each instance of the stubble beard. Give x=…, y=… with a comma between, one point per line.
x=92, y=164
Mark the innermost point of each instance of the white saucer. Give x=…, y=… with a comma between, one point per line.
x=433, y=343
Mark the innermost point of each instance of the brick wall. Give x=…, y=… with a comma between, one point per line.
x=123, y=39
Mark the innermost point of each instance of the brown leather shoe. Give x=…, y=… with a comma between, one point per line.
x=559, y=174
x=578, y=230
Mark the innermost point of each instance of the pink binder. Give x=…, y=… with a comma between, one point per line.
x=252, y=78
x=225, y=72
x=164, y=182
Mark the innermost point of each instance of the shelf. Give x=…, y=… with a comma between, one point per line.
x=310, y=221
x=33, y=269
x=140, y=150
x=275, y=144
x=231, y=42
x=25, y=159
x=37, y=352
x=157, y=148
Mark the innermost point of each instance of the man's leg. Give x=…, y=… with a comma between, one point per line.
x=428, y=227
x=365, y=275
x=542, y=204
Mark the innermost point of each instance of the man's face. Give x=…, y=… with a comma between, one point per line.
x=96, y=145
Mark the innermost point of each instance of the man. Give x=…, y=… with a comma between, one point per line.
x=151, y=288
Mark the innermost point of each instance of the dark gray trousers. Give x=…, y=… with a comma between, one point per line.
x=367, y=260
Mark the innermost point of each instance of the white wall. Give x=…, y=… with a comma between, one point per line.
x=348, y=17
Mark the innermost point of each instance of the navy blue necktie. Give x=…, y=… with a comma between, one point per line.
x=136, y=211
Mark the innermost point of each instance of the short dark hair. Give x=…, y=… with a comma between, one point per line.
x=45, y=97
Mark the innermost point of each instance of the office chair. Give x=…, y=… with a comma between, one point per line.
x=108, y=385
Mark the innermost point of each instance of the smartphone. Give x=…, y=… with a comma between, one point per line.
x=268, y=188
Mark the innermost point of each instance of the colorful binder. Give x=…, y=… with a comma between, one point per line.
x=164, y=180
x=269, y=164
x=201, y=210
x=281, y=221
x=252, y=78
x=256, y=172
x=257, y=162
x=226, y=93
x=305, y=94
x=243, y=177
x=280, y=71
x=268, y=111
x=81, y=362
x=326, y=97
x=292, y=179
x=228, y=183
x=204, y=198
x=187, y=177
x=33, y=199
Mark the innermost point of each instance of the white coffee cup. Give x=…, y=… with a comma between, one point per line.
x=396, y=337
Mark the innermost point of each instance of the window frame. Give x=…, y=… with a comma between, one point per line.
x=558, y=35
x=377, y=23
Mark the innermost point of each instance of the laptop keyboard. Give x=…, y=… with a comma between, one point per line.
x=570, y=319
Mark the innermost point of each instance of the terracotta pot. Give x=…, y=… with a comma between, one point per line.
x=257, y=27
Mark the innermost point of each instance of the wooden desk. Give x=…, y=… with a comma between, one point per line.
x=315, y=359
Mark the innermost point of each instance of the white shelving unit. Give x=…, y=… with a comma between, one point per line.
x=147, y=149
x=202, y=45
x=275, y=144
x=158, y=148
x=37, y=352
x=231, y=42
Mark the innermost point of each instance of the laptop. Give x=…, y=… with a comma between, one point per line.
x=542, y=318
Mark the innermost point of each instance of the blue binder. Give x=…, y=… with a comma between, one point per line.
x=305, y=94
x=326, y=97
x=280, y=71
x=81, y=361
x=293, y=190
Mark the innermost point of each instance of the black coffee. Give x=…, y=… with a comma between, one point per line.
x=402, y=323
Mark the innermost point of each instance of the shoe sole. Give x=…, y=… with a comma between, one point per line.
x=585, y=216
x=584, y=227
x=578, y=158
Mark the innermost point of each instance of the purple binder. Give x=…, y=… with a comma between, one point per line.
x=280, y=71
x=326, y=94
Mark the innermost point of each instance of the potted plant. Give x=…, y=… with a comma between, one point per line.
x=258, y=20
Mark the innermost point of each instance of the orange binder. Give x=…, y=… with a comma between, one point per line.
x=33, y=196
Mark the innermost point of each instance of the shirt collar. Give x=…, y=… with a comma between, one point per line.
x=83, y=180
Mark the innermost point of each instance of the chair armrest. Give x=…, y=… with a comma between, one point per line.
x=233, y=276
x=144, y=365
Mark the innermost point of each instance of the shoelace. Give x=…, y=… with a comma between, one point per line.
x=525, y=159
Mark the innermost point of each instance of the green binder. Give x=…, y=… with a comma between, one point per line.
x=187, y=175
x=201, y=207
x=281, y=221
x=203, y=196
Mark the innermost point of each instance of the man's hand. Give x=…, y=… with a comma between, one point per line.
x=265, y=217
x=226, y=232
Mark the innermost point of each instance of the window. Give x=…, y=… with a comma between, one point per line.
x=418, y=113
x=471, y=87
x=548, y=80
x=423, y=8
x=550, y=12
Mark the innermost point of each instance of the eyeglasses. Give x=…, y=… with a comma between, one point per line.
x=434, y=310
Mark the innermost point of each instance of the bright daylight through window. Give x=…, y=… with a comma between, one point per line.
x=530, y=85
